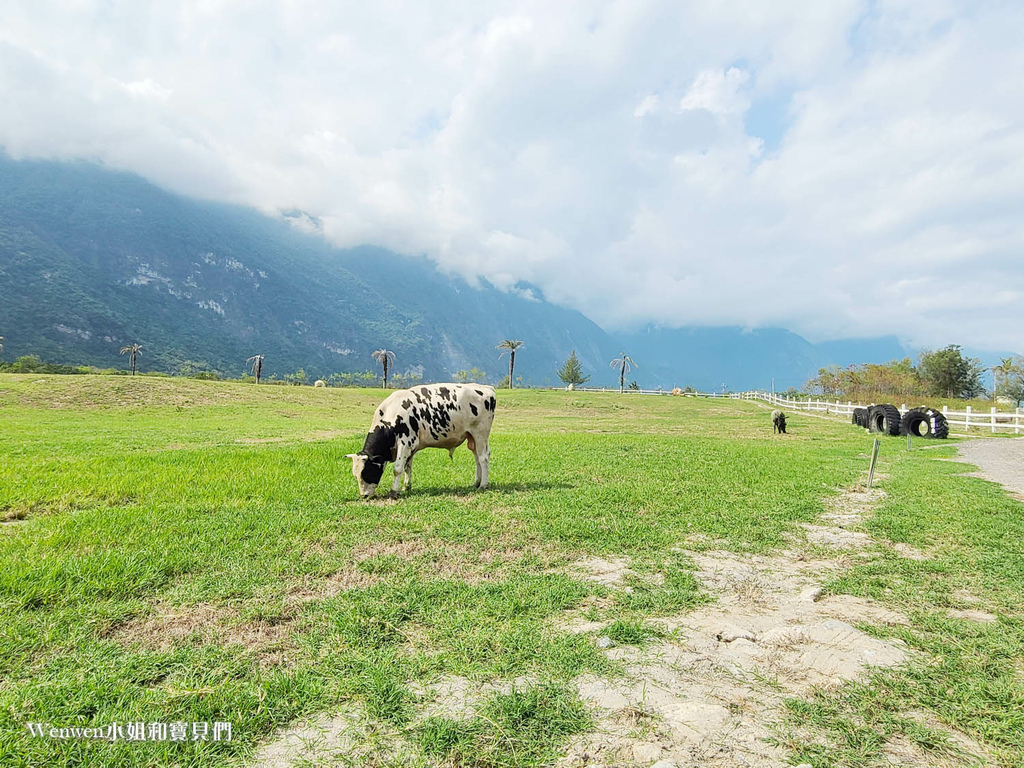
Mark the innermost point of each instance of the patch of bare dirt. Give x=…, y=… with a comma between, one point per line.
x=960, y=745
x=901, y=752
x=12, y=515
x=973, y=614
x=965, y=596
x=909, y=552
x=459, y=697
x=320, y=587
x=712, y=692
x=405, y=549
x=448, y=560
x=610, y=572
x=168, y=628
x=347, y=738
x=835, y=538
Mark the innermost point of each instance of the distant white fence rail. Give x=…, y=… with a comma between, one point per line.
x=991, y=420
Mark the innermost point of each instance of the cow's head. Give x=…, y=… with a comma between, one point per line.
x=367, y=471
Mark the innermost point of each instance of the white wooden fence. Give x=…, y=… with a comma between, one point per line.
x=991, y=420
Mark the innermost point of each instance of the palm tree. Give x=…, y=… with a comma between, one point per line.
x=386, y=358
x=256, y=366
x=510, y=345
x=132, y=350
x=1005, y=368
x=624, y=363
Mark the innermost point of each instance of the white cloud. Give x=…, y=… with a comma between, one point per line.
x=719, y=92
x=599, y=151
x=645, y=107
x=147, y=89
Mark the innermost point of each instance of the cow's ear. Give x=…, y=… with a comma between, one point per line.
x=352, y=456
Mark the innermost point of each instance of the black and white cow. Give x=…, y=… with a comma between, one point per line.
x=429, y=416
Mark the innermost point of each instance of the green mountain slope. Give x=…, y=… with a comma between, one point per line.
x=91, y=260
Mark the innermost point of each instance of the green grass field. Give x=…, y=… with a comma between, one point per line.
x=179, y=551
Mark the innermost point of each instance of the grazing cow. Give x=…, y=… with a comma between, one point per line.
x=676, y=391
x=778, y=422
x=319, y=383
x=429, y=416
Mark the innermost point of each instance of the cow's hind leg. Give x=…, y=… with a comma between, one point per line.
x=471, y=444
x=482, y=451
x=407, y=482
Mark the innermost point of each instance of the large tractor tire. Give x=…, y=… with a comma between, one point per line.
x=860, y=417
x=884, y=419
x=925, y=422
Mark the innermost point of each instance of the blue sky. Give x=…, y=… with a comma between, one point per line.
x=768, y=119
x=846, y=168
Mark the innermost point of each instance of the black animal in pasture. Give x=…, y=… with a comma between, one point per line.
x=778, y=422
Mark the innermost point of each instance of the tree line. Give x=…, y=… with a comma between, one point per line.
x=945, y=372
x=571, y=372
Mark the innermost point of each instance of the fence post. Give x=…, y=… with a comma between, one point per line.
x=967, y=419
x=993, y=412
x=871, y=469
x=903, y=409
x=1016, y=421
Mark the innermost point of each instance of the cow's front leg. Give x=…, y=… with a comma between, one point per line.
x=399, y=469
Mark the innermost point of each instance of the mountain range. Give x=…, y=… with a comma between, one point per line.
x=93, y=259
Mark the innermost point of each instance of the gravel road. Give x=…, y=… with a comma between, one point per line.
x=998, y=459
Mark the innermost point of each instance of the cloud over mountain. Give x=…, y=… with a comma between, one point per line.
x=842, y=169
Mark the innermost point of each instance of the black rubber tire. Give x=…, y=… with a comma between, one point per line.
x=860, y=417
x=936, y=426
x=884, y=419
